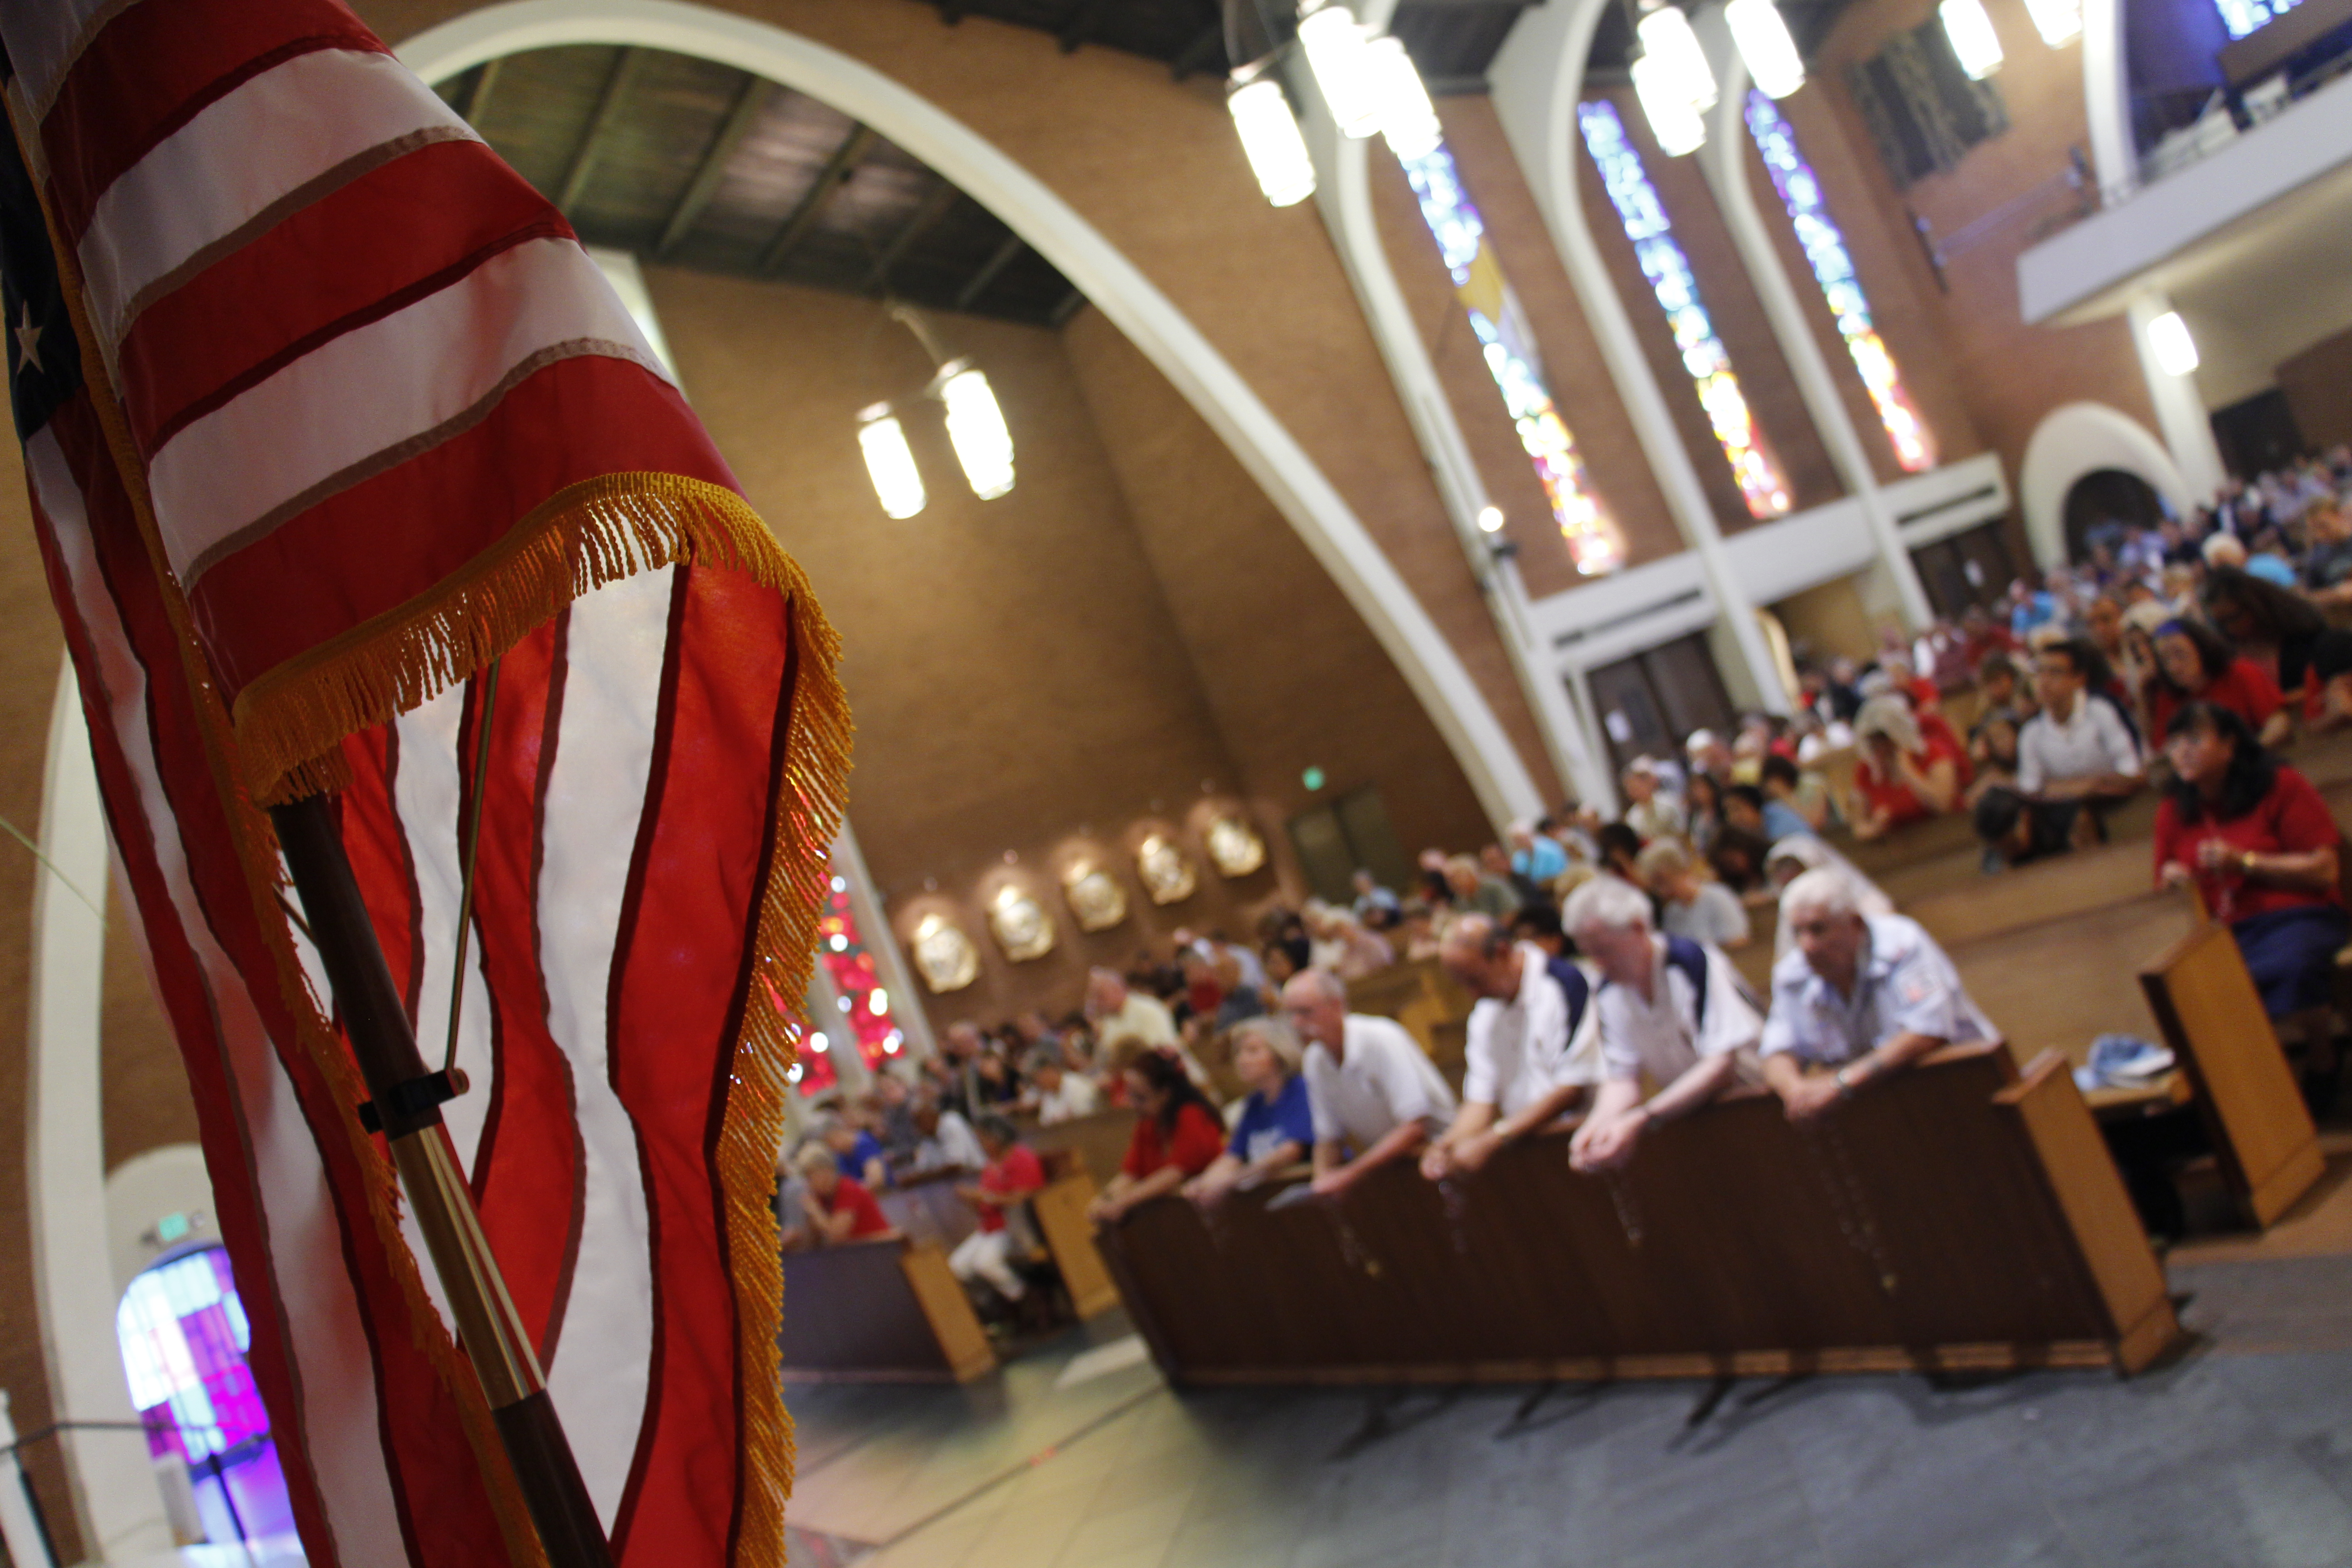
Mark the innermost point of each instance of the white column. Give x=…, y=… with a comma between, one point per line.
x=882, y=941
x=1533, y=83
x=1343, y=194
x=117, y=1505
x=2180, y=417
x=2106, y=100
x=1724, y=161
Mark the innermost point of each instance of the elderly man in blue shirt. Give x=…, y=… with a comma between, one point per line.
x=1858, y=997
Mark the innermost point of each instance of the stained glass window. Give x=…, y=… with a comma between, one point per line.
x=2242, y=17
x=1593, y=541
x=1824, y=246
x=1663, y=264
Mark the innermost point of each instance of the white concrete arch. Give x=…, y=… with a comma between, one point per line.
x=2080, y=438
x=1114, y=284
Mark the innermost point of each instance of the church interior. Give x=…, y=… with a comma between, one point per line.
x=1596, y=813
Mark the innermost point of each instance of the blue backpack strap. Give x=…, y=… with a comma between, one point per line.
x=1574, y=985
x=1690, y=958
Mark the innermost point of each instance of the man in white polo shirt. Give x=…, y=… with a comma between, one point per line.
x=1370, y=1086
x=1859, y=997
x=2077, y=747
x=1534, y=1047
x=1673, y=1013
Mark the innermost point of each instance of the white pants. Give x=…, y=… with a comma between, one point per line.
x=983, y=1253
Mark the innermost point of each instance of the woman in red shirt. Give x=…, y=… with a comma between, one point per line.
x=2261, y=846
x=839, y=1208
x=2193, y=663
x=1178, y=1135
x=1902, y=775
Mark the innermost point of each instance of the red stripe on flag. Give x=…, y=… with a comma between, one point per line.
x=677, y=1007
x=157, y=66
x=380, y=858
x=387, y=239
x=530, y=1168
x=436, y=1482
x=372, y=548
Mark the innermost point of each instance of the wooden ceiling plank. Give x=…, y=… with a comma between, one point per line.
x=935, y=207
x=1206, y=46
x=608, y=104
x=749, y=104
x=828, y=182
x=977, y=284
x=478, y=97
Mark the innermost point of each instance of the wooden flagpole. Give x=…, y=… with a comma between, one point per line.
x=408, y=1104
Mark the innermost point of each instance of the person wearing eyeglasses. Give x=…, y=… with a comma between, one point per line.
x=1861, y=996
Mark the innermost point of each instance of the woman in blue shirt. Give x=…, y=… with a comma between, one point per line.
x=1275, y=1129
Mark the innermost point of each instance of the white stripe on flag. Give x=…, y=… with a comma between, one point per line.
x=380, y=394
x=334, y=1367
x=427, y=797
x=45, y=37
x=595, y=796
x=259, y=145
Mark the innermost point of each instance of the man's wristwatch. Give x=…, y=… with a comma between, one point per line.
x=1844, y=1084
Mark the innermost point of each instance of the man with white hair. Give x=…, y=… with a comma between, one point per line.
x=1534, y=1044
x=1117, y=1009
x=1369, y=1085
x=1860, y=997
x=1673, y=1014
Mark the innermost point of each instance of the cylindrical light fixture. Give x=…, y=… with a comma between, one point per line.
x=2168, y=340
x=1764, y=43
x=2058, y=21
x=1270, y=138
x=890, y=462
x=1674, y=120
x=1408, y=120
x=1339, y=54
x=976, y=429
x=1973, y=40
x=1667, y=37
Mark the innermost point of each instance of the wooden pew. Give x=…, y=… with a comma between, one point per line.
x=1099, y=1142
x=2254, y=1115
x=1955, y=1217
x=886, y=1310
x=925, y=1209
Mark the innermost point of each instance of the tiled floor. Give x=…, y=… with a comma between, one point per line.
x=2239, y=1453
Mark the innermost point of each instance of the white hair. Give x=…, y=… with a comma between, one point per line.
x=1825, y=889
x=1331, y=986
x=1609, y=902
x=1275, y=1034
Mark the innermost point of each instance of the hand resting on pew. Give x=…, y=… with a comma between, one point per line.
x=1669, y=1010
x=1860, y=997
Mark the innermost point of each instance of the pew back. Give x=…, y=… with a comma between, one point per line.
x=2213, y=1017
x=886, y=1311
x=1951, y=1218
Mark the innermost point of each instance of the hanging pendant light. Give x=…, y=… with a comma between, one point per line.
x=1270, y=138
x=1763, y=35
x=1408, y=120
x=1667, y=37
x=890, y=462
x=1972, y=38
x=976, y=429
x=1675, y=121
x=2058, y=21
x=2168, y=340
x=1339, y=54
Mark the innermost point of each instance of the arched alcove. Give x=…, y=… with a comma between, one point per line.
x=2082, y=438
x=2102, y=503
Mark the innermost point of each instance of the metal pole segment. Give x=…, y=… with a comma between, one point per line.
x=487, y=1325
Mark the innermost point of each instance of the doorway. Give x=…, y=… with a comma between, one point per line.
x=1333, y=841
x=2102, y=504
x=1972, y=567
x=1650, y=702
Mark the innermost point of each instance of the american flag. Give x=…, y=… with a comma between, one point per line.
x=324, y=410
